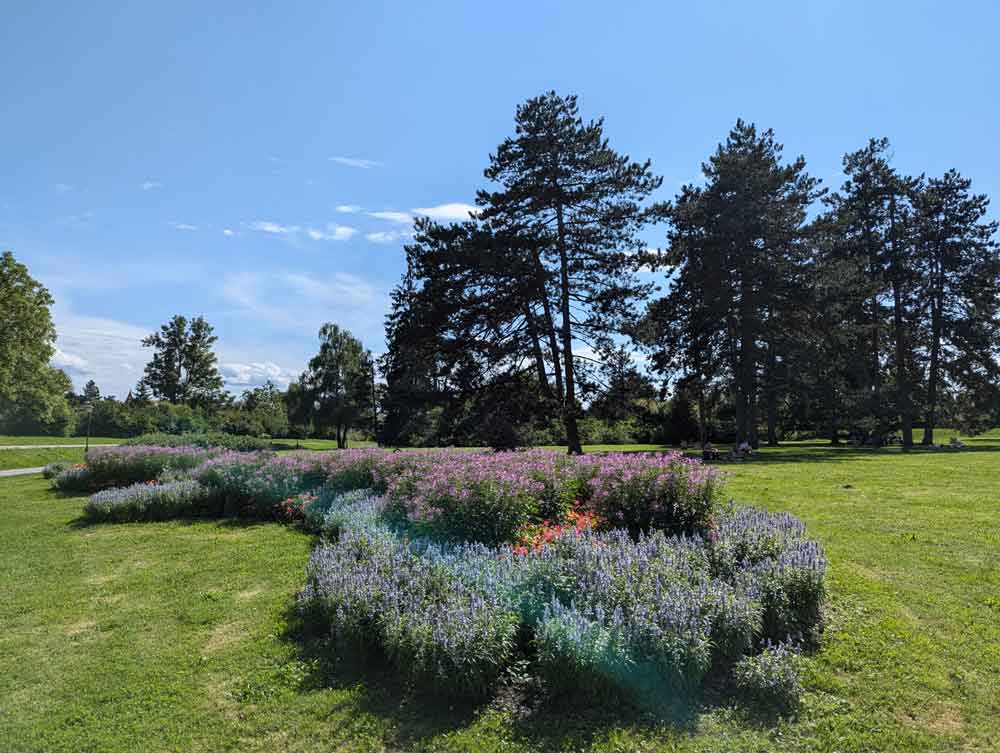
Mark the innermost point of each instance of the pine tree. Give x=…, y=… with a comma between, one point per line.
x=561, y=184
x=741, y=262
x=872, y=213
x=91, y=392
x=959, y=266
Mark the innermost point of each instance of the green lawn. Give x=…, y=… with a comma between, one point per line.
x=36, y=458
x=177, y=636
x=7, y=439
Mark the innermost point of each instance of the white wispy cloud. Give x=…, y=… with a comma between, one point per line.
x=71, y=363
x=227, y=232
x=150, y=185
x=247, y=375
x=105, y=350
x=183, y=226
x=63, y=187
x=388, y=236
x=404, y=218
x=348, y=208
x=355, y=302
x=364, y=164
x=455, y=211
x=329, y=232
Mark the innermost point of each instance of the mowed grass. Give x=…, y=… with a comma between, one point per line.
x=179, y=636
x=7, y=440
x=37, y=458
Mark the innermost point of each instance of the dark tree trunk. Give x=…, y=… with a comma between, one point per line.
x=772, y=396
x=536, y=348
x=933, y=372
x=573, y=445
x=550, y=329
x=902, y=375
x=904, y=399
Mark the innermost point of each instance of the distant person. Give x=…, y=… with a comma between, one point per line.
x=708, y=452
x=744, y=450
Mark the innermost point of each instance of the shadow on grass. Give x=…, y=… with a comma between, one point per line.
x=532, y=719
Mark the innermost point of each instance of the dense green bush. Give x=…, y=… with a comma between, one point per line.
x=207, y=439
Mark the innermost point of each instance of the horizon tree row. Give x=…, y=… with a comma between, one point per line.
x=788, y=308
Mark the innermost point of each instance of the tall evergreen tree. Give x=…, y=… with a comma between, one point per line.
x=739, y=252
x=959, y=266
x=872, y=213
x=583, y=204
x=91, y=392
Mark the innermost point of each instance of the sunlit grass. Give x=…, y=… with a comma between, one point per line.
x=177, y=636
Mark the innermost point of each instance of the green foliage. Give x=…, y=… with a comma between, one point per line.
x=771, y=680
x=206, y=439
x=184, y=368
x=51, y=470
x=336, y=389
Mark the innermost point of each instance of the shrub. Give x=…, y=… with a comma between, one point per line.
x=767, y=555
x=452, y=636
x=150, y=502
x=640, y=492
x=255, y=483
x=76, y=478
x=578, y=657
x=120, y=466
x=771, y=680
x=52, y=470
x=333, y=511
x=207, y=439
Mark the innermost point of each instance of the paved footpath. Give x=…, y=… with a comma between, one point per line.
x=20, y=471
x=50, y=446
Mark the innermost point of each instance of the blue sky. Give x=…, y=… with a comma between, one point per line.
x=259, y=163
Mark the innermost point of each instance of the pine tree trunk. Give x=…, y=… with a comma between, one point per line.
x=746, y=414
x=933, y=373
x=570, y=408
x=536, y=348
x=550, y=329
x=902, y=375
x=772, y=396
x=903, y=399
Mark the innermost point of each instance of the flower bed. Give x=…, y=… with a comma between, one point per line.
x=608, y=574
x=176, y=499
x=120, y=466
x=605, y=612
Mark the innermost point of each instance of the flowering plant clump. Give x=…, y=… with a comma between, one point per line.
x=535, y=536
x=121, y=466
x=51, y=470
x=641, y=492
x=255, y=483
x=150, y=501
x=772, y=679
x=76, y=478
x=608, y=613
x=609, y=574
x=294, y=509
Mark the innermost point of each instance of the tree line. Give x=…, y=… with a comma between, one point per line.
x=867, y=310
x=775, y=308
x=181, y=389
